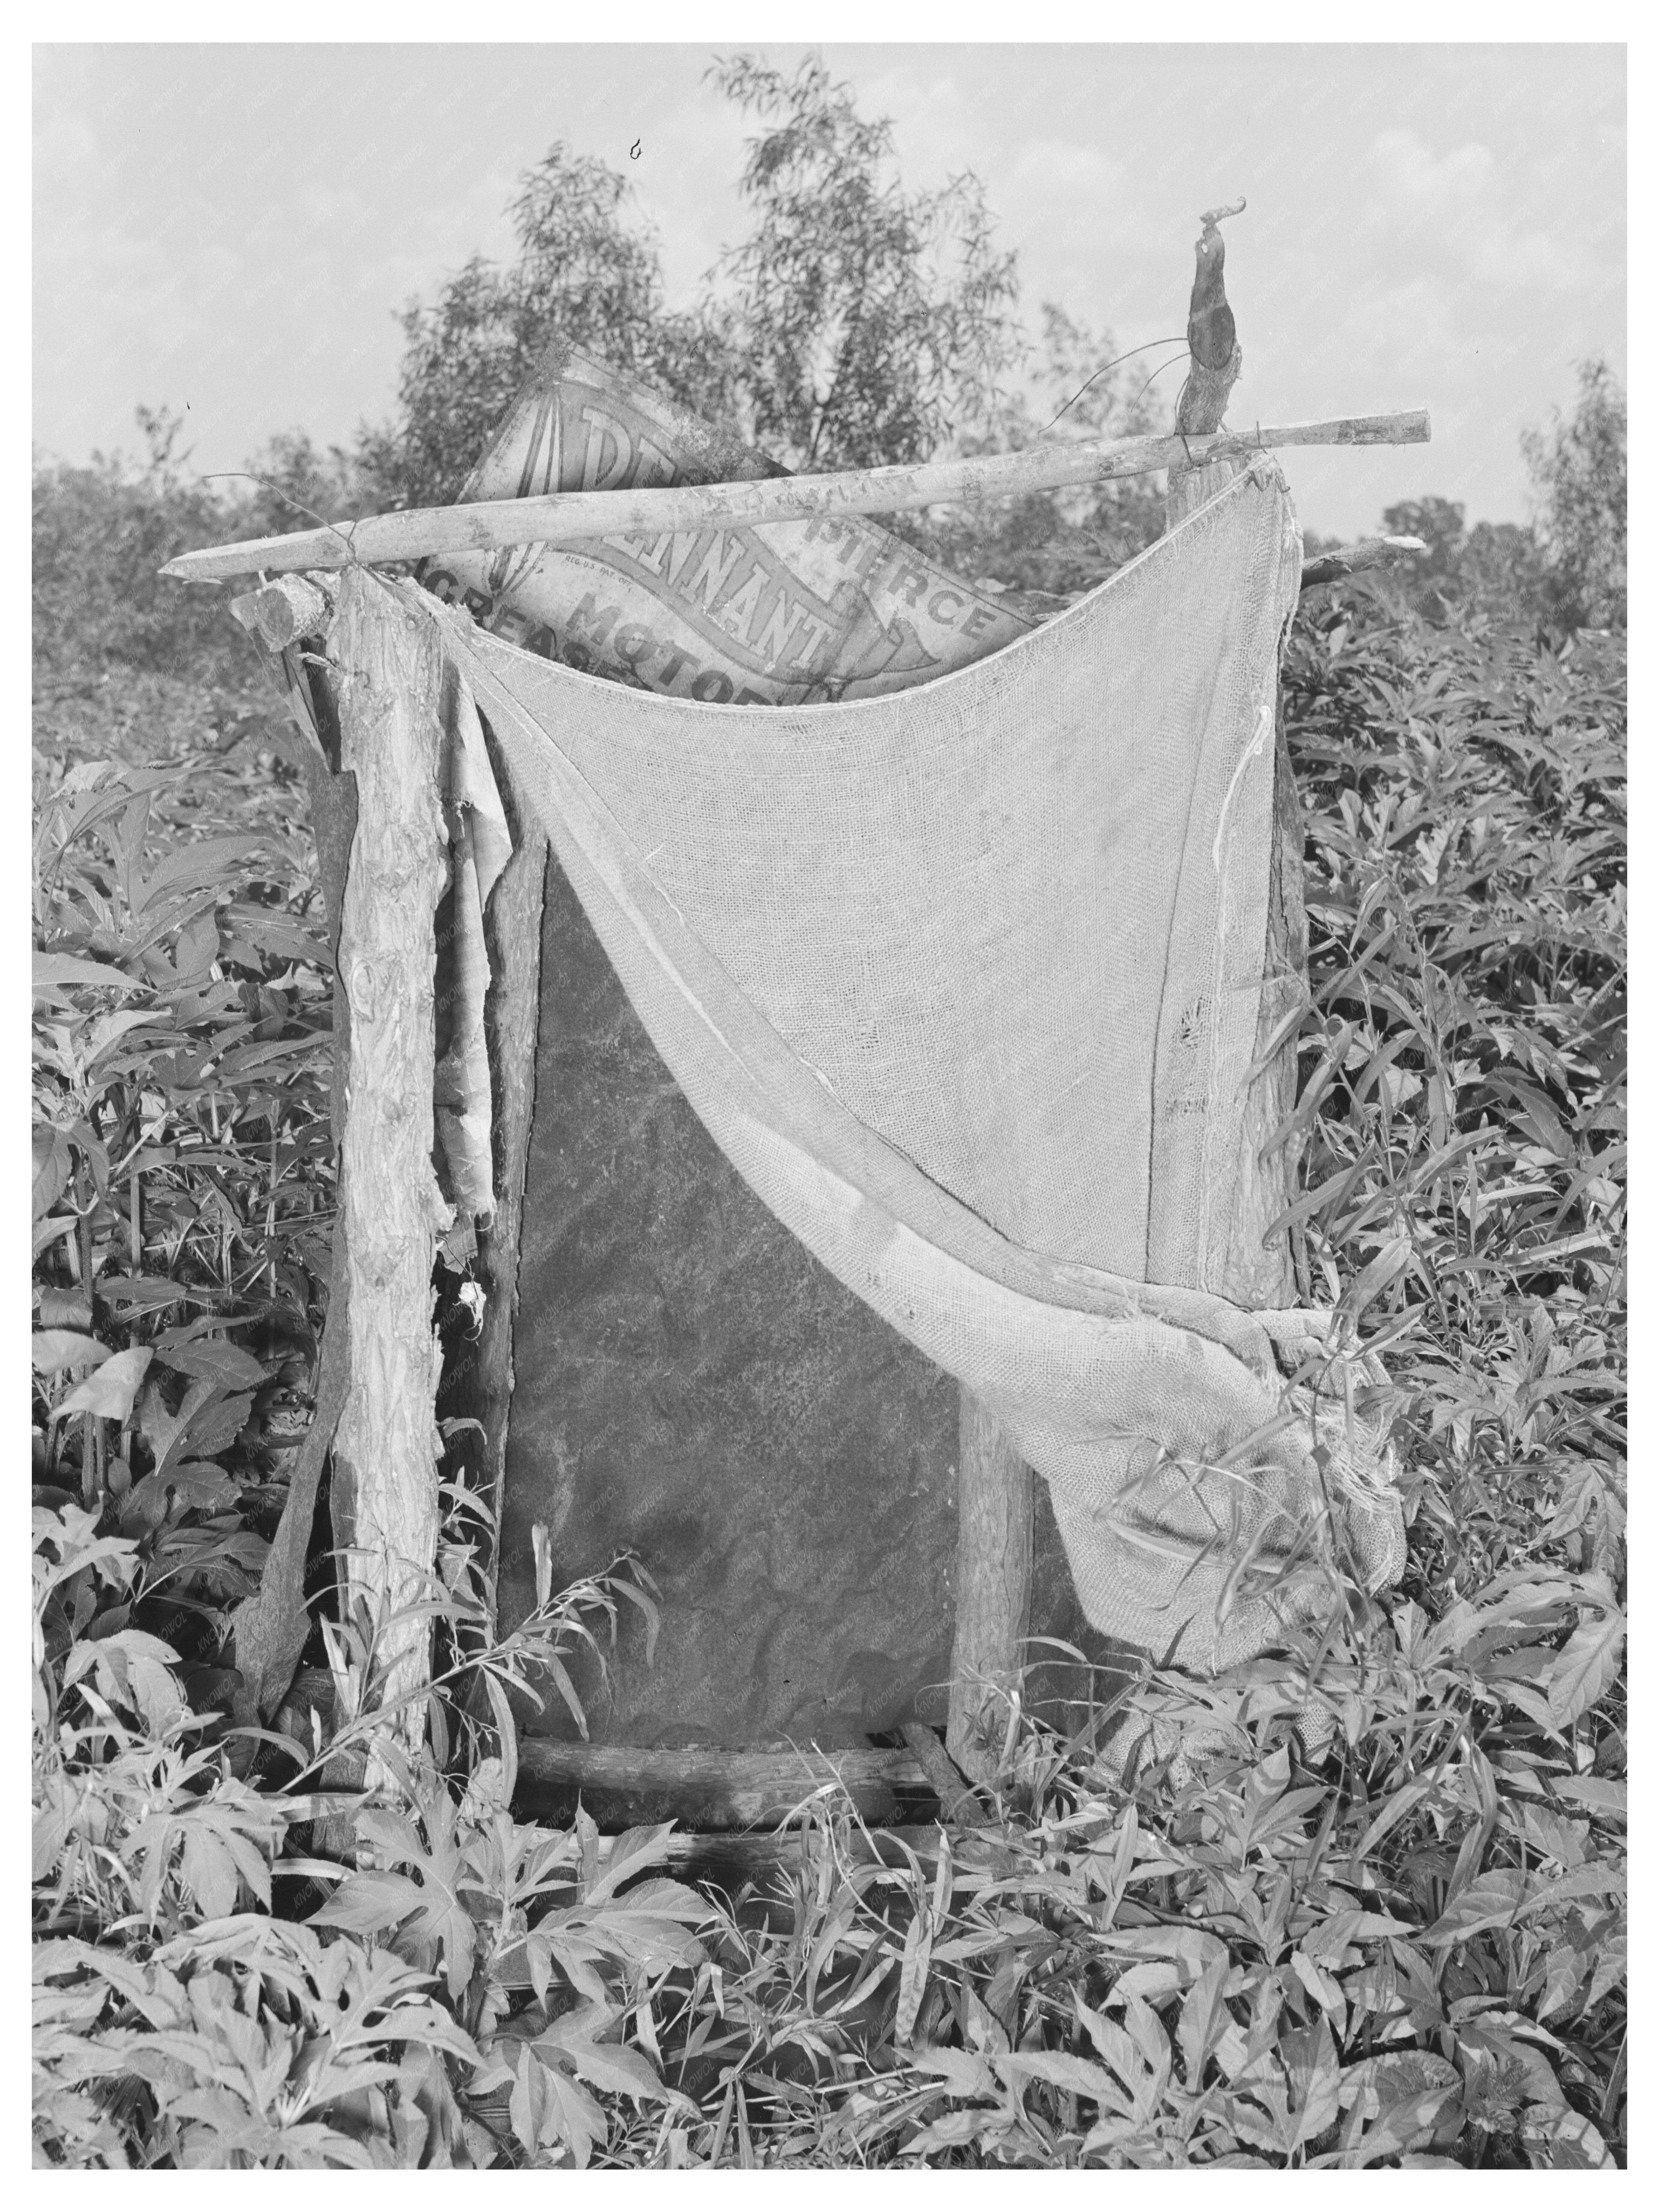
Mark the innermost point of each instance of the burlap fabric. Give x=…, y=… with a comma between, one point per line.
x=965, y=981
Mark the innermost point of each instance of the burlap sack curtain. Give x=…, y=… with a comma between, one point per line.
x=965, y=983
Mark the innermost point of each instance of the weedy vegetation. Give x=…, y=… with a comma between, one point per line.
x=1396, y=1938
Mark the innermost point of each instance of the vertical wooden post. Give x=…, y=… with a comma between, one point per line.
x=1215, y=362
x=993, y=1587
x=993, y=1547
x=1248, y=1267
x=385, y=1492
x=513, y=931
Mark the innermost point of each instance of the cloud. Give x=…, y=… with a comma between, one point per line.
x=1407, y=182
x=1060, y=171
x=1445, y=212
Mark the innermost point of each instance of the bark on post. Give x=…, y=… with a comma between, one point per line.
x=992, y=1588
x=385, y=1489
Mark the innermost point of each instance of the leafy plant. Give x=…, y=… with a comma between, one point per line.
x=456, y=2006
x=182, y=1174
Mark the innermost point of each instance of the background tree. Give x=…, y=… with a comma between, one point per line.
x=1567, y=570
x=1439, y=523
x=1496, y=569
x=1502, y=573
x=1579, y=472
x=857, y=323
x=588, y=269
x=100, y=533
x=872, y=324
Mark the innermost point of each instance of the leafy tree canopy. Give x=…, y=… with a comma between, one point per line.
x=872, y=324
x=857, y=323
x=588, y=269
x=1568, y=571
x=1579, y=472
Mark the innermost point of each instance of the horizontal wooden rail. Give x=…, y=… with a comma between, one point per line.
x=713, y=1788
x=716, y=1861
x=566, y=517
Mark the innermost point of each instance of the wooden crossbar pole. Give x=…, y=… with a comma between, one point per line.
x=566, y=518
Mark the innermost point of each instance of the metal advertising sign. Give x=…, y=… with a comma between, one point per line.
x=785, y=613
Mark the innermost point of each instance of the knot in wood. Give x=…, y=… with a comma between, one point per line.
x=363, y=989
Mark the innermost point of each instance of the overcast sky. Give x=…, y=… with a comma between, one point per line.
x=232, y=229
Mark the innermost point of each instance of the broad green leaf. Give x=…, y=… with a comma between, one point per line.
x=1489, y=2034
x=1564, y=1969
x=1202, y=2018
x=527, y=2107
x=51, y=1820
x=198, y=944
x=249, y=1058
x=51, y=1350
x=1310, y=2055
x=1193, y=1948
x=1491, y=1901
x=65, y=1310
x=615, y=2066
x=1401, y=2095
x=51, y=1168
x=134, y=1669
x=1376, y=1277
x=574, y=2116
x=1404, y=1799
x=506, y=1736
x=61, y=971
x=1587, y=1665
x=1603, y=1878
x=1059, y=2068
x=1611, y=1963
x=1405, y=2121
x=967, y=2072
x=110, y=1391
x=209, y=860
x=634, y=1850
x=1570, y=2143
x=216, y=1359
x=370, y=1903
x=46, y=1233
x=1322, y=1986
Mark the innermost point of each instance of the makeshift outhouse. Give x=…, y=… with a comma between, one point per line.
x=857, y=1032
